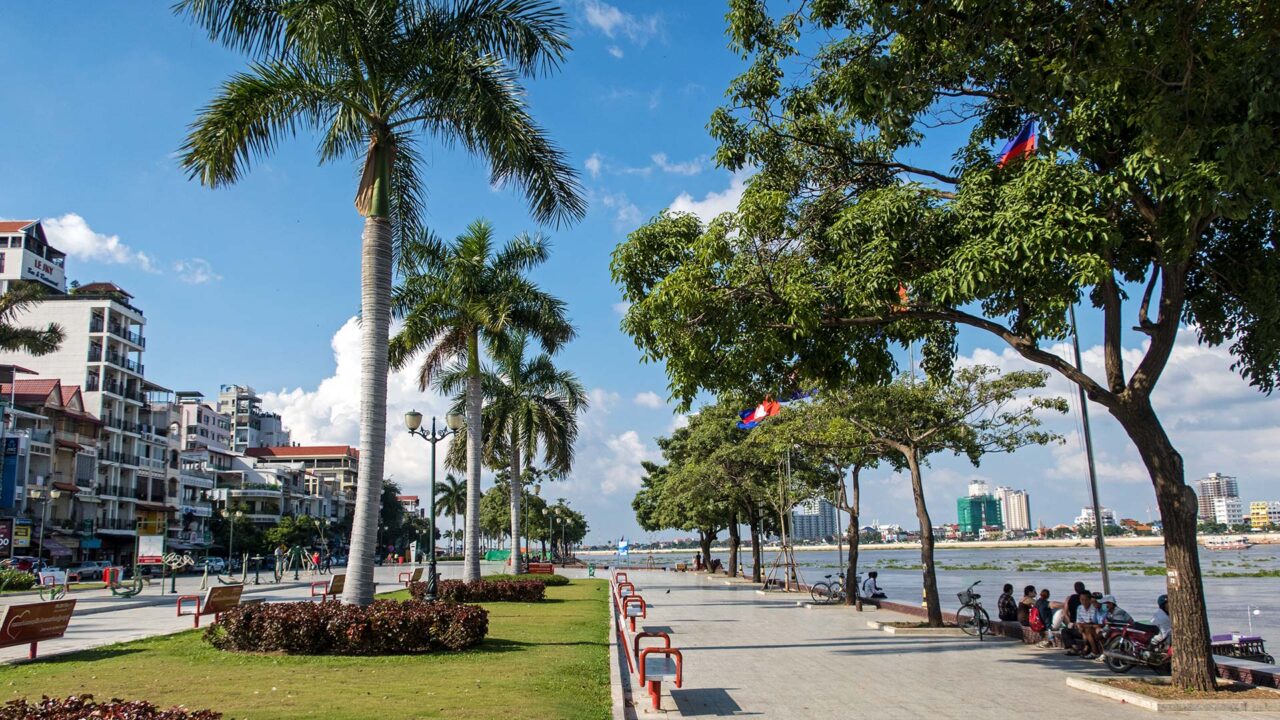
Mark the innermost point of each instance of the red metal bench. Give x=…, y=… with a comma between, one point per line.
x=656, y=665
x=619, y=577
x=538, y=568
x=633, y=606
x=216, y=601
x=407, y=578
x=330, y=588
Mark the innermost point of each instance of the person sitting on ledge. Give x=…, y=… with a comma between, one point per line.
x=870, y=588
x=1114, y=613
x=1006, y=606
x=1027, y=602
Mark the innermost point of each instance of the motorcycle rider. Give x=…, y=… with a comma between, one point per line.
x=1114, y=613
x=1161, y=620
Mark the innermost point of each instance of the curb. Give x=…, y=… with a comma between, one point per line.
x=1158, y=705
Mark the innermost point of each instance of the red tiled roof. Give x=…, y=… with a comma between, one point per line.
x=30, y=391
x=407, y=498
x=312, y=451
x=14, y=225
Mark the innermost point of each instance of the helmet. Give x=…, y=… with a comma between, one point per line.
x=1162, y=601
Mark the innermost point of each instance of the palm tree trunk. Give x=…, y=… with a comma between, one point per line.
x=516, y=499
x=471, y=563
x=375, y=313
x=453, y=539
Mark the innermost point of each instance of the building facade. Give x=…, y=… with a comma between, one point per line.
x=26, y=256
x=1264, y=514
x=1212, y=487
x=331, y=471
x=1228, y=511
x=1015, y=509
x=251, y=426
x=1085, y=518
x=814, y=519
x=976, y=512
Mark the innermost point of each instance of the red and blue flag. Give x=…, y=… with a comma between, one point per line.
x=1023, y=145
x=751, y=418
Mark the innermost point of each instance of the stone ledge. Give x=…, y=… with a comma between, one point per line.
x=917, y=631
x=1161, y=705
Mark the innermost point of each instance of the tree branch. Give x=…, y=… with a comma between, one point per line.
x=1111, y=334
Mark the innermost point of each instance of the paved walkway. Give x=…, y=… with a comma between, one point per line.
x=748, y=654
x=101, y=619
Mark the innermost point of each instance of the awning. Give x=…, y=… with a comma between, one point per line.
x=155, y=506
x=53, y=547
x=69, y=445
x=66, y=487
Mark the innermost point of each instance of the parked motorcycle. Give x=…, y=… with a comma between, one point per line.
x=1130, y=645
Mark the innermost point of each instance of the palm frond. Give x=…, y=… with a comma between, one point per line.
x=37, y=341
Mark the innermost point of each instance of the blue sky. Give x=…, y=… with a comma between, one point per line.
x=258, y=283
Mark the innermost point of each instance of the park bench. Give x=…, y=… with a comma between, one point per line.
x=654, y=664
x=216, y=601
x=406, y=578
x=331, y=588
x=537, y=568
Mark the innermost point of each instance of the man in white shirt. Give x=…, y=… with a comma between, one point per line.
x=1161, y=620
x=871, y=589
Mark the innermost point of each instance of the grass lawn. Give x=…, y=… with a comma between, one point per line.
x=540, y=660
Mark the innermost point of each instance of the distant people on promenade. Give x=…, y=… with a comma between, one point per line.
x=1006, y=606
x=870, y=588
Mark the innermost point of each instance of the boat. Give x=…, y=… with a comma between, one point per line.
x=1227, y=543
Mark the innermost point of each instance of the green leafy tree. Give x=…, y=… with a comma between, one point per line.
x=458, y=298
x=370, y=78
x=15, y=338
x=1153, y=196
x=291, y=531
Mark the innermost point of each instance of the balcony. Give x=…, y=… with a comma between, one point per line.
x=95, y=325
x=117, y=526
x=44, y=437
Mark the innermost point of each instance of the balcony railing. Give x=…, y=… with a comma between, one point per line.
x=117, y=524
x=95, y=325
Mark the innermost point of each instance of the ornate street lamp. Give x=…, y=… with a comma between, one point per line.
x=231, y=539
x=453, y=423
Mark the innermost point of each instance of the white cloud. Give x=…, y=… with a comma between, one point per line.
x=602, y=400
x=678, y=420
x=196, y=271
x=72, y=235
x=619, y=467
x=626, y=215
x=593, y=164
x=648, y=399
x=713, y=203
x=621, y=308
x=615, y=51
x=689, y=167
x=614, y=22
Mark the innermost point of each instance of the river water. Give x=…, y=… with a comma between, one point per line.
x=1137, y=577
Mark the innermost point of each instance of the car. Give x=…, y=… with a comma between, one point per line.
x=28, y=563
x=213, y=564
x=89, y=570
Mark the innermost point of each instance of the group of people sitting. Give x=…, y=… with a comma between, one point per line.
x=1076, y=625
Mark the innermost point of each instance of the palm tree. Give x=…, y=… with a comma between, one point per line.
x=370, y=78
x=14, y=338
x=454, y=299
x=451, y=498
x=532, y=405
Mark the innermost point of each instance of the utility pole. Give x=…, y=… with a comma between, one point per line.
x=1088, y=451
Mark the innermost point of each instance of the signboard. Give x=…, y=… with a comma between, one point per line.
x=33, y=622
x=623, y=548
x=6, y=537
x=413, y=551
x=221, y=599
x=150, y=549
x=21, y=538
x=9, y=472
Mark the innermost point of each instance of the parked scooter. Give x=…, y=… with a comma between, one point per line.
x=1130, y=645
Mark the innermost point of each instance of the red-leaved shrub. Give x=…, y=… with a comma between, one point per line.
x=484, y=591
x=332, y=628
x=78, y=707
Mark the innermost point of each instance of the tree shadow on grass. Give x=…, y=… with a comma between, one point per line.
x=104, y=653
x=503, y=645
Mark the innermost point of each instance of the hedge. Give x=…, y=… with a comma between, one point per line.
x=386, y=627
x=484, y=591
x=548, y=580
x=14, y=579
x=78, y=707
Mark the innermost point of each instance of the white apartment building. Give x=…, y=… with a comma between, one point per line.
x=25, y=254
x=1086, y=517
x=1212, y=487
x=1228, y=510
x=102, y=353
x=1015, y=509
x=202, y=425
x=978, y=488
x=251, y=426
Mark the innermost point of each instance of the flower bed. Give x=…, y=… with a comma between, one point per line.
x=484, y=591
x=385, y=627
x=77, y=707
x=14, y=579
x=548, y=580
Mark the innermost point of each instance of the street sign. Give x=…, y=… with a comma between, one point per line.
x=32, y=622
x=21, y=537
x=150, y=549
x=623, y=548
x=221, y=598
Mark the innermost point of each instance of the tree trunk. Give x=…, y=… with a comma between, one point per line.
x=375, y=325
x=453, y=538
x=474, y=401
x=705, y=537
x=735, y=539
x=926, y=540
x=851, y=572
x=754, y=518
x=516, y=501
x=1192, y=661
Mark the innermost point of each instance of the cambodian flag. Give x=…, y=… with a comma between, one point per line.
x=751, y=418
x=1022, y=145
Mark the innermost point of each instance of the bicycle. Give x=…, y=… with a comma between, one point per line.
x=825, y=592
x=971, y=617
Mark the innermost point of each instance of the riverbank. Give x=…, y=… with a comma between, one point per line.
x=1255, y=538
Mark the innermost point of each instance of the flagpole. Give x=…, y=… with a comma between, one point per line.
x=1100, y=536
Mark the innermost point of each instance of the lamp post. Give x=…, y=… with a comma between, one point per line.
x=231, y=517
x=46, y=495
x=453, y=423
